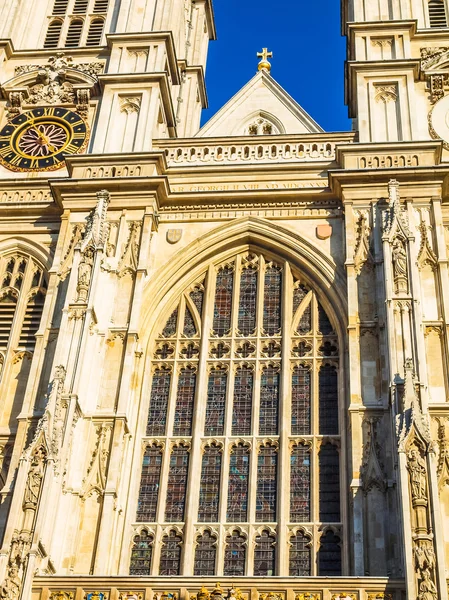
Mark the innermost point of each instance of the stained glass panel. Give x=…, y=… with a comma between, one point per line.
x=299, y=293
x=243, y=401
x=329, y=555
x=247, y=301
x=329, y=465
x=235, y=555
x=210, y=485
x=160, y=391
x=305, y=321
x=223, y=301
x=238, y=485
x=170, y=326
x=301, y=401
x=149, y=485
x=324, y=325
x=197, y=297
x=170, y=562
x=264, y=555
x=300, y=560
x=269, y=402
x=184, y=402
x=300, y=484
x=328, y=400
x=177, y=485
x=272, y=301
x=189, y=324
x=216, y=401
x=141, y=554
x=266, y=485
x=205, y=554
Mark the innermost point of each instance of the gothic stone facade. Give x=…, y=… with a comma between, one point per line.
x=223, y=350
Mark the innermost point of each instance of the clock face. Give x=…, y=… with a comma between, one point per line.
x=40, y=139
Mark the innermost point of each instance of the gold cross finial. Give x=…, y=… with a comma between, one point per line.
x=264, y=55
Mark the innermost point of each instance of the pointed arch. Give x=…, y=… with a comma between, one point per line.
x=318, y=268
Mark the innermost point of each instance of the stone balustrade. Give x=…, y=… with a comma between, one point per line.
x=257, y=152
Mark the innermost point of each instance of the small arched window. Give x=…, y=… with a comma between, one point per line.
x=53, y=34
x=437, y=13
x=170, y=563
x=74, y=34
x=235, y=555
x=141, y=554
x=95, y=32
x=264, y=555
x=60, y=7
x=205, y=555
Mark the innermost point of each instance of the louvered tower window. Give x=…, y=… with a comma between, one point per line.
x=53, y=34
x=95, y=32
x=437, y=13
x=74, y=34
x=80, y=23
x=243, y=407
x=60, y=7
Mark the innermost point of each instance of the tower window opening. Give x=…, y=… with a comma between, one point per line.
x=74, y=34
x=437, y=13
x=95, y=32
x=60, y=7
x=101, y=6
x=80, y=6
x=53, y=34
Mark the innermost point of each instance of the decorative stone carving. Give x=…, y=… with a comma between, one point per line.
x=66, y=262
x=61, y=595
x=427, y=589
x=426, y=255
x=128, y=261
x=395, y=220
x=174, y=235
x=400, y=269
x=82, y=106
x=34, y=479
x=59, y=62
x=416, y=466
x=431, y=55
x=362, y=251
x=307, y=596
x=95, y=238
x=386, y=93
x=10, y=588
x=84, y=274
x=372, y=469
x=130, y=104
x=14, y=106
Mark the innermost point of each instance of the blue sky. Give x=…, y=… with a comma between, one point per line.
x=308, y=61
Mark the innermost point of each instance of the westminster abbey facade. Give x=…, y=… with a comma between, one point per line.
x=223, y=349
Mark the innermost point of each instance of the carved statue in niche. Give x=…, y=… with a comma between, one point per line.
x=34, y=480
x=85, y=274
x=10, y=588
x=416, y=466
x=400, y=265
x=427, y=589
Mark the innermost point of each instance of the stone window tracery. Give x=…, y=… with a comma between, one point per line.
x=22, y=295
x=170, y=562
x=205, y=555
x=248, y=418
x=141, y=554
x=264, y=554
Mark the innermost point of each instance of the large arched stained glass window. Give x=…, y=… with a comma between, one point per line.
x=243, y=403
